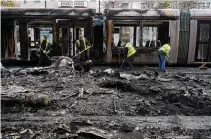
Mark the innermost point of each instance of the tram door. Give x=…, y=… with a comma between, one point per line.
x=203, y=42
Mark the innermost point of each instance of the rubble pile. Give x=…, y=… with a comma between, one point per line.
x=99, y=103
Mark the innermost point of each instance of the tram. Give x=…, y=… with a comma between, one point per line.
x=189, y=33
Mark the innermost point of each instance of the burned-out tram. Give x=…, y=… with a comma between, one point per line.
x=147, y=30
x=61, y=25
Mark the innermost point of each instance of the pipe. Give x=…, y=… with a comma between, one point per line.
x=15, y=39
x=45, y=4
x=99, y=6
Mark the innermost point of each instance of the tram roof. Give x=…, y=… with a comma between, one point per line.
x=201, y=14
x=138, y=14
x=46, y=13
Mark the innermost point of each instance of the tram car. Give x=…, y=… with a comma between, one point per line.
x=189, y=33
x=147, y=30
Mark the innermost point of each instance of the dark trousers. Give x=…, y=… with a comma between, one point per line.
x=44, y=60
x=84, y=56
x=128, y=61
x=162, y=61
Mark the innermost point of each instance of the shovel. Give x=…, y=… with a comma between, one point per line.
x=123, y=63
x=44, y=53
x=81, y=52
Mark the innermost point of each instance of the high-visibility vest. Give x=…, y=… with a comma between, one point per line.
x=46, y=45
x=84, y=40
x=166, y=48
x=131, y=49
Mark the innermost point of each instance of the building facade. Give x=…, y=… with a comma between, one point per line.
x=59, y=3
x=100, y=4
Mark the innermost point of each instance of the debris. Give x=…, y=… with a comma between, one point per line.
x=37, y=99
x=109, y=71
x=137, y=128
x=18, y=94
x=91, y=72
x=67, y=136
x=74, y=104
x=34, y=135
x=133, y=77
x=114, y=100
x=26, y=130
x=4, y=72
x=95, y=132
x=163, y=79
x=69, y=96
x=81, y=92
x=115, y=107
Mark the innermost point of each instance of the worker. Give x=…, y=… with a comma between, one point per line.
x=129, y=55
x=82, y=47
x=44, y=52
x=163, y=55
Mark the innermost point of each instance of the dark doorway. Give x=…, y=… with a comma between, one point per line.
x=203, y=42
x=163, y=33
x=98, y=44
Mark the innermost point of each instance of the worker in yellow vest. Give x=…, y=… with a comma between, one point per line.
x=163, y=55
x=129, y=55
x=82, y=46
x=44, y=52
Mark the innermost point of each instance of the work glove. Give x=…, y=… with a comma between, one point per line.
x=47, y=52
x=87, y=47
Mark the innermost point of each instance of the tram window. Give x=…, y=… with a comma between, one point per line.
x=203, y=41
x=202, y=51
x=154, y=34
x=204, y=32
x=149, y=34
x=116, y=30
x=122, y=35
x=116, y=36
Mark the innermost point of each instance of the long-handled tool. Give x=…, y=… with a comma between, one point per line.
x=123, y=63
x=82, y=51
x=44, y=53
x=203, y=67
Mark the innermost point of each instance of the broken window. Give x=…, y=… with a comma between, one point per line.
x=149, y=36
x=125, y=5
x=154, y=34
x=123, y=35
x=46, y=32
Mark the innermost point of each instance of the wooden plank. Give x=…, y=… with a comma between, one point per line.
x=109, y=42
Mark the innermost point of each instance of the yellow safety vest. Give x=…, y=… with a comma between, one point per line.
x=166, y=48
x=84, y=40
x=131, y=50
x=46, y=45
